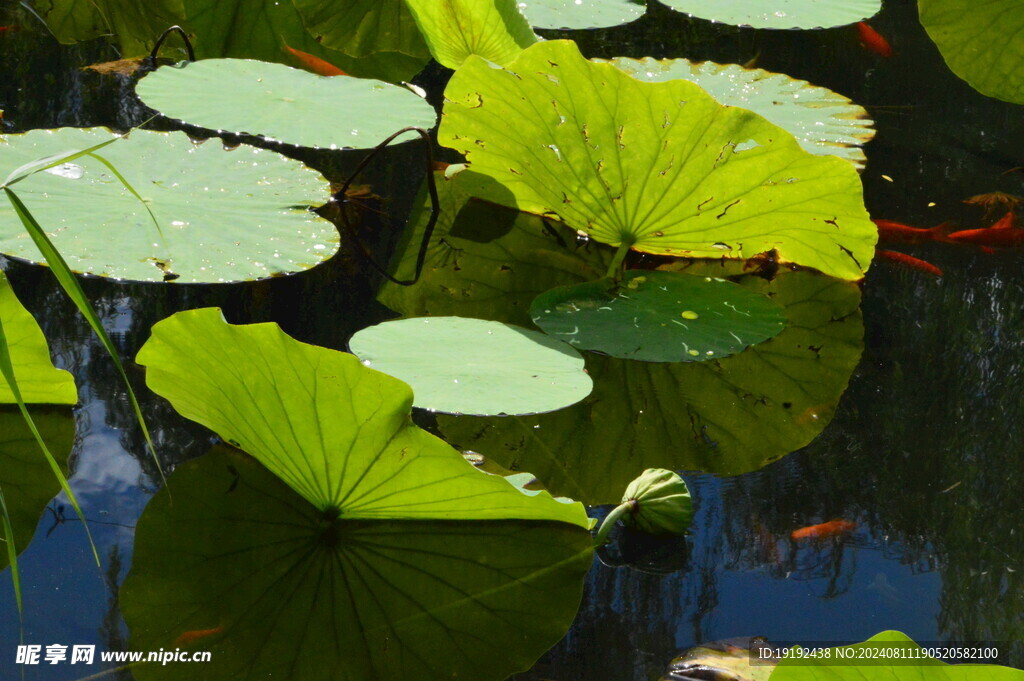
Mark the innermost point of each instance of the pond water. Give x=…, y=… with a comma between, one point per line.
x=922, y=452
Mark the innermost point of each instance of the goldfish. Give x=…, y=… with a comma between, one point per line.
x=873, y=40
x=5, y=29
x=908, y=261
x=192, y=636
x=905, y=234
x=833, y=528
x=315, y=64
x=1002, y=233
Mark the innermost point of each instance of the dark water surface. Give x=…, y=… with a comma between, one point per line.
x=924, y=452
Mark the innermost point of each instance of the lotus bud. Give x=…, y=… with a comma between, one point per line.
x=658, y=502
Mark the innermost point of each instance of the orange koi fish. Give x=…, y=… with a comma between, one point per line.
x=873, y=40
x=833, y=528
x=315, y=64
x=188, y=637
x=1002, y=234
x=5, y=29
x=905, y=234
x=908, y=261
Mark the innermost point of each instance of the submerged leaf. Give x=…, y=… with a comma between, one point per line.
x=658, y=316
x=659, y=166
x=780, y=13
x=38, y=380
x=471, y=366
x=456, y=29
x=981, y=42
x=241, y=566
x=223, y=215
x=362, y=27
x=823, y=121
x=337, y=432
x=282, y=103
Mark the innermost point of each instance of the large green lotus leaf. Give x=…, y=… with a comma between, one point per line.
x=135, y=24
x=574, y=14
x=982, y=42
x=889, y=655
x=660, y=166
x=223, y=215
x=484, y=260
x=282, y=103
x=726, y=416
x=362, y=27
x=26, y=478
x=471, y=366
x=261, y=29
x=340, y=434
x=780, y=13
x=823, y=121
x=658, y=316
x=274, y=590
x=38, y=380
x=456, y=29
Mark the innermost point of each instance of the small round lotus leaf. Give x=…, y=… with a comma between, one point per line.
x=220, y=215
x=658, y=316
x=574, y=14
x=470, y=366
x=822, y=121
x=285, y=104
x=780, y=13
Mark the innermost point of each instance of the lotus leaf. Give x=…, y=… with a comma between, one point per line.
x=135, y=24
x=456, y=29
x=27, y=481
x=282, y=103
x=658, y=316
x=38, y=380
x=284, y=593
x=472, y=366
x=781, y=13
x=823, y=121
x=661, y=167
x=362, y=27
x=580, y=13
x=337, y=432
x=892, y=658
x=223, y=215
x=981, y=43
x=725, y=416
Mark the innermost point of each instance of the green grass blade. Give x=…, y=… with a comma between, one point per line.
x=7, y=369
x=52, y=161
x=12, y=549
x=145, y=204
x=74, y=291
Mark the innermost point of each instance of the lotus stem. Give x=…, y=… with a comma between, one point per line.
x=615, y=269
x=609, y=521
x=163, y=36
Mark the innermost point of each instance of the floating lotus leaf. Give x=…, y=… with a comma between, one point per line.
x=274, y=590
x=362, y=27
x=282, y=103
x=135, y=24
x=27, y=481
x=337, y=432
x=781, y=13
x=823, y=121
x=887, y=655
x=38, y=380
x=456, y=29
x=660, y=166
x=658, y=316
x=726, y=416
x=471, y=366
x=981, y=43
x=223, y=215
x=580, y=13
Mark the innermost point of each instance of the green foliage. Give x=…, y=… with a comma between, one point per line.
x=574, y=14
x=363, y=27
x=981, y=43
x=335, y=431
x=659, y=166
x=135, y=24
x=456, y=29
x=471, y=366
x=658, y=316
x=780, y=13
x=281, y=591
x=282, y=103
